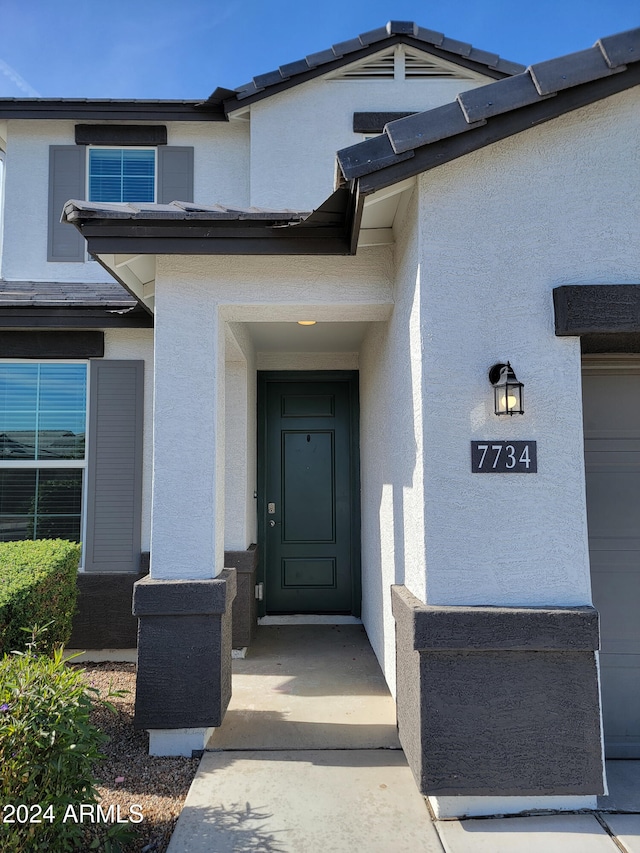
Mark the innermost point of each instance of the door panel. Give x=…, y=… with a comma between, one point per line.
x=308, y=495
x=308, y=486
x=612, y=456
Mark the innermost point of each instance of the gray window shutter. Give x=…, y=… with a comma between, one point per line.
x=175, y=174
x=66, y=180
x=114, y=469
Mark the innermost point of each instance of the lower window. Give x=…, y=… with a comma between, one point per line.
x=42, y=450
x=44, y=503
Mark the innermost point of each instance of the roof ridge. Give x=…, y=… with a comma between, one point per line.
x=340, y=51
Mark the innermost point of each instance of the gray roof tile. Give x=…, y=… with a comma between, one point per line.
x=349, y=46
x=373, y=36
x=179, y=210
x=454, y=46
x=498, y=97
x=430, y=36
x=398, y=28
x=247, y=89
x=554, y=75
x=320, y=58
x=370, y=156
x=622, y=48
x=24, y=294
x=508, y=67
x=484, y=57
x=420, y=129
x=269, y=79
x=292, y=68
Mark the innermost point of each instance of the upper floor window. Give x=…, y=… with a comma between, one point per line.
x=111, y=173
x=122, y=174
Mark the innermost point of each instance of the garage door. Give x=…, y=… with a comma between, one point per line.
x=611, y=399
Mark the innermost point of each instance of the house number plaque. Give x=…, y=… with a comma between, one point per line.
x=504, y=457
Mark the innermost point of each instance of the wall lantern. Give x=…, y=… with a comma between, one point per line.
x=508, y=393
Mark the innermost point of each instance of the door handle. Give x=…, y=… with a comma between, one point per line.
x=272, y=523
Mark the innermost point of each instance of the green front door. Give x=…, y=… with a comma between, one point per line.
x=309, y=492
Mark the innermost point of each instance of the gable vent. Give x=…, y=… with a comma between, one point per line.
x=402, y=63
x=379, y=67
x=421, y=65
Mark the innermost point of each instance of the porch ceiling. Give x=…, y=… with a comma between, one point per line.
x=290, y=337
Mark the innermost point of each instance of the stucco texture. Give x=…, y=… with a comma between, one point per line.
x=391, y=450
x=240, y=528
x=499, y=230
x=295, y=134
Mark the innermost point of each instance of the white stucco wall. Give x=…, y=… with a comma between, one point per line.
x=499, y=230
x=391, y=451
x=220, y=175
x=240, y=528
x=187, y=524
x=271, y=288
x=295, y=134
x=26, y=205
x=221, y=154
x=138, y=344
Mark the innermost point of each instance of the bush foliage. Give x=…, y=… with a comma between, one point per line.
x=47, y=751
x=37, y=587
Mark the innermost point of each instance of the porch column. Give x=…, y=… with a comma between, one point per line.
x=184, y=604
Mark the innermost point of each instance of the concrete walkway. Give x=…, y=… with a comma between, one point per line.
x=307, y=760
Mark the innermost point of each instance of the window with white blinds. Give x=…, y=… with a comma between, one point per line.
x=122, y=174
x=43, y=416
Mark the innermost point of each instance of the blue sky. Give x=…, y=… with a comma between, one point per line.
x=185, y=48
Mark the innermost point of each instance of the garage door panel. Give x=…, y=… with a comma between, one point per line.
x=620, y=675
x=613, y=502
x=611, y=401
x=618, y=599
x=617, y=551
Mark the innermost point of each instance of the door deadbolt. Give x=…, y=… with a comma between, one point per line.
x=272, y=523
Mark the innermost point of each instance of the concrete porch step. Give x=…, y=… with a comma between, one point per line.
x=308, y=687
x=305, y=801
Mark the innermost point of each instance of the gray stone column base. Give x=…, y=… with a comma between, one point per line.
x=498, y=701
x=245, y=606
x=184, y=651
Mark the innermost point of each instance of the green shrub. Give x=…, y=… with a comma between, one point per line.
x=47, y=751
x=37, y=587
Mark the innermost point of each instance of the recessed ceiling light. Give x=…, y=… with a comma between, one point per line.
x=307, y=322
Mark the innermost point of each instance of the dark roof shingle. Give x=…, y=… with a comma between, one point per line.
x=24, y=294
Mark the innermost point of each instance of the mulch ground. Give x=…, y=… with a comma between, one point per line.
x=128, y=775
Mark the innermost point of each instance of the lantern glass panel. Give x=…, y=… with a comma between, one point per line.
x=508, y=399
